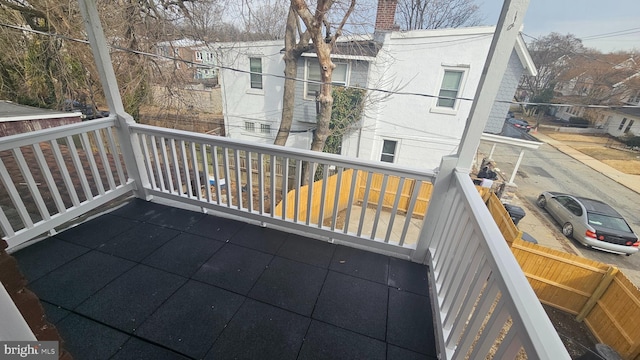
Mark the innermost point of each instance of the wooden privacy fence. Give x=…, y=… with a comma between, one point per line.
x=375, y=189
x=596, y=293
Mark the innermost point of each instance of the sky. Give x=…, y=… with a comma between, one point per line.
x=606, y=25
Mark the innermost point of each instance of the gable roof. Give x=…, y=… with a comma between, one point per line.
x=10, y=111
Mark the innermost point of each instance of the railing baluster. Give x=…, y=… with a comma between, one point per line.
x=296, y=207
x=196, y=172
x=158, y=165
x=376, y=218
x=116, y=156
x=105, y=160
x=185, y=166
x=79, y=168
x=48, y=177
x=205, y=169
x=274, y=179
x=394, y=209
x=311, y=166
x=66, y=177
x=227, y=176
x=236, y=154
x=30, y=182
x=144, y=141
x=97, y=179
x=14, y=196
x=285, y=186
x=323, y=196
x=261, y=183
x=216, y=172
x=365, y=203
x=5, y=225
x=167, y=164
x=249, y=169
x=176, y=166
x=352, y=195
x=412, y=204
x=336, y=200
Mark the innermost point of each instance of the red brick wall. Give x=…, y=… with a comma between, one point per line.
x=385, y=17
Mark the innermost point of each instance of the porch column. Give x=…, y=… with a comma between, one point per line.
x=504, y=39
x=437, y=211
x=129, y=142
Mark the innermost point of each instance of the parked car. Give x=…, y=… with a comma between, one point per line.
x=519, y=123
x=591, y=222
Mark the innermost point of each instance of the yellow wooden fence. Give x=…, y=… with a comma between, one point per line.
x=596, y=293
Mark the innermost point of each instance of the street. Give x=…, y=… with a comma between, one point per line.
x=549, y=169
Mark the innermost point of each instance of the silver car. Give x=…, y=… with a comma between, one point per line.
x=591, y=222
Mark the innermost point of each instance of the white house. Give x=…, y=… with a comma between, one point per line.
x=405, y=123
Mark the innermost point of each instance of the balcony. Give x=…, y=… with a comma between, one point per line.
x=226, y=248
x=366, y=263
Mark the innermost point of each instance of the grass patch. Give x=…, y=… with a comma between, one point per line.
x=625, y=161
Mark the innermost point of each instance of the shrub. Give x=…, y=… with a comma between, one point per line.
x=578, y=122
x=631, y=140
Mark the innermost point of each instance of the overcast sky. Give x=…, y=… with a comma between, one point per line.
x=584, y=18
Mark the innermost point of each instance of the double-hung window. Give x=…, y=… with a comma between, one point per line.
x=388, y=151
x=338, y=77
x=451, y=82
x=255, y=66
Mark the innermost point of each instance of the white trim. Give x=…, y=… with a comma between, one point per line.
x=41, y=117
x=525, y=56
x=510, y=141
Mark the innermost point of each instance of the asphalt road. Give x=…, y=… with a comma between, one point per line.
x=549, y=169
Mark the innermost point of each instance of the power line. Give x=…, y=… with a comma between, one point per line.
x=383, y=91
x=611, y=34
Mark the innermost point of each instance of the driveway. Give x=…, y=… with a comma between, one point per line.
x=550, y=169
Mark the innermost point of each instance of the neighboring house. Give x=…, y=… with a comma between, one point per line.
x=597, y=79
x=399, y=124
x=622, y=121
x=17, y=119
x=190, y=58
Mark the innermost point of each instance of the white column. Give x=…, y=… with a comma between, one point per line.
x=14, y=327
x=515, y=169
x=128, y=142
x=504, y=39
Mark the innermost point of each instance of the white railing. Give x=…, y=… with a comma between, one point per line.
x=262, y=182
x=484, y=303
x=54, y=175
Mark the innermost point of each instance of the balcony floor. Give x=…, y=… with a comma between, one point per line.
x=148, y=281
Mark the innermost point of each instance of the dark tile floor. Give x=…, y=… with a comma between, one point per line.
x=148, y=281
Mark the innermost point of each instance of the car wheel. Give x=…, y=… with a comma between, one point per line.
x=567, y=229
x=542, y=201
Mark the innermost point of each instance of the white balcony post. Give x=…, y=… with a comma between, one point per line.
x=129, y=142
x=14, y=327
x=435, y=211
x=504, y=39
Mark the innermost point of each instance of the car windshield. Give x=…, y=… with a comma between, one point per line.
x=609, y=222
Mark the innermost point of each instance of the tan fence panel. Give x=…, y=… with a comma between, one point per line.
x=615, y=320
x=332, y=182
x=501, y=217
x=393, y=182
x=563, y=280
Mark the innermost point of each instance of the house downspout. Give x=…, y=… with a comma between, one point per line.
x=129, y=142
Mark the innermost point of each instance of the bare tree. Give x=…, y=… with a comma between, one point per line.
x=296, y=42
x=437, y=14
x=551, y=54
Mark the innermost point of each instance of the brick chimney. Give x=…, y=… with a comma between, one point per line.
x=386, y=15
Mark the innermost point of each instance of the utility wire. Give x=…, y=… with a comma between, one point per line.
x=383, y=91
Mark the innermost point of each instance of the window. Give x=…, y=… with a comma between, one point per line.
x=249, y=126
x=626, y=130
x=265, y=128
x=450, y=87
x=622, y=123
x=255, y=66
x=209, y=57
x=388, y=151
x=199, y=55
x=339, y=76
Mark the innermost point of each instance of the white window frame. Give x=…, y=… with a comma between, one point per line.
x=456, y=105
x=265, y=128
x=250, y=126
x=394, y=155
x=314, y=62
x=199, y=55
x=251, y=76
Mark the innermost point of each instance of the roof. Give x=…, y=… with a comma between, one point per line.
x=631, y=111
x=153, y=281
x=10, y=111
x=354, y=49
